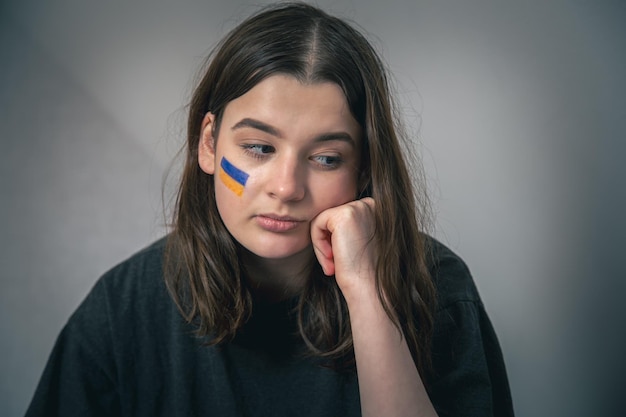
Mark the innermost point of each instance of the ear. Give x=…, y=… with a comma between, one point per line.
x=206, y=145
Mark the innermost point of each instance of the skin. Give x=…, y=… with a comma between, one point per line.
x=300, y=146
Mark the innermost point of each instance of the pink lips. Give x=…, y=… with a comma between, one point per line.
x=277, y=224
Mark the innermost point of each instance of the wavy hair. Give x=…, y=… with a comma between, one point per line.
x=203, y=269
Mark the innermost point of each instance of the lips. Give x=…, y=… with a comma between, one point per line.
x=277, y=224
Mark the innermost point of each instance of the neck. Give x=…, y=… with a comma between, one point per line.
x=274, y=280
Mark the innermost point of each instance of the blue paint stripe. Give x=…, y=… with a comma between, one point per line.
x=234, y=172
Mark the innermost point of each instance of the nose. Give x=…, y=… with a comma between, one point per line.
x=288, y=180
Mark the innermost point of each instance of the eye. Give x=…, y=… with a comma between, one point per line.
x=257, y=150
x=328, y=161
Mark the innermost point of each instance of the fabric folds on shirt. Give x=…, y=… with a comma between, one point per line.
x=126, y=351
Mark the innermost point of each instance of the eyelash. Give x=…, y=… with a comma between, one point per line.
x=256, y=150
x=261, y=151
x=336, y=161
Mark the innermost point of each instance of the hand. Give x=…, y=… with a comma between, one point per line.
x=343, y=242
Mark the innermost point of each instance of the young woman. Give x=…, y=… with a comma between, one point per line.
x=296, y=279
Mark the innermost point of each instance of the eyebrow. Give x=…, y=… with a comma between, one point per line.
x=269, y=129
x=257, y=124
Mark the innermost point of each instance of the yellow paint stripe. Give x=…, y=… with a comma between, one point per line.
x=229, y=182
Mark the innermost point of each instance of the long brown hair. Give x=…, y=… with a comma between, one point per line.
x=202, y=264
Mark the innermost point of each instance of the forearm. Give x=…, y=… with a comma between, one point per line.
x=389, y=382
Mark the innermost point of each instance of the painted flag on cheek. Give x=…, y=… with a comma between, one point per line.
x=232, y=177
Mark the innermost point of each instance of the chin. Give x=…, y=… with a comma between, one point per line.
x=278, y=252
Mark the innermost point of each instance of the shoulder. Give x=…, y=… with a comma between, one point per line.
x=111, y=340
x=451, y=276
x=144, y=270
x=132, y=286
x=127, y=301
x=146, y=262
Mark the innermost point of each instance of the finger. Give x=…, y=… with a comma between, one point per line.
x=327, y=263
x=321, y=241
x=369, y=201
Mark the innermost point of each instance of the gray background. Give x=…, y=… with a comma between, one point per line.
x=518, y=111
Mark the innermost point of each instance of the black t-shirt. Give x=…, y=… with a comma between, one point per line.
x=127, y=351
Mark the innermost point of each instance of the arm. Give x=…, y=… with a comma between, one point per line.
x=389, y=383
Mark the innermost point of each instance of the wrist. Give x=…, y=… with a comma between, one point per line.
x=361, y=293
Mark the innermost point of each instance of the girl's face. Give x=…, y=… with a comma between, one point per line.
x=285, y=151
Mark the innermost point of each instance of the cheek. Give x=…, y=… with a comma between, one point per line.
x=227, y=198
x=337, y=192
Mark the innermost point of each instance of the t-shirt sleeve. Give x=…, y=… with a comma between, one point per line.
x=470, y=376
x=79, y=378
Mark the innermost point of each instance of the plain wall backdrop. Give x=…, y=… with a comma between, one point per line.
x=518, y=110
